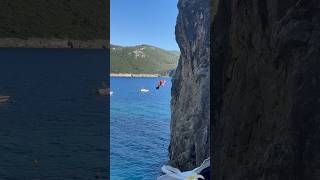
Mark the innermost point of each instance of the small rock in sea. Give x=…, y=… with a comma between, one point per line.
x=35, y=163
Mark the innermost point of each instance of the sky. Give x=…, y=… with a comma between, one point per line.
x=135, y=22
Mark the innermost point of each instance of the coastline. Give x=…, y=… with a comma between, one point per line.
x=53, y=43
x=135, y=75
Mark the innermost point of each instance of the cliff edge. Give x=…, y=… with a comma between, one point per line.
x=266, y=90
x=190, y=132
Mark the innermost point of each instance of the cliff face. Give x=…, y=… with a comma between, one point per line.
x=266, y=90
x=190, y=90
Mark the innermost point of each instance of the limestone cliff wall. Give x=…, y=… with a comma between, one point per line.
x=266, y=59
x=190, y=105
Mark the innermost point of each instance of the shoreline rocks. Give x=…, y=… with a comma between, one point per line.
x=53, y=43
x=135, y=75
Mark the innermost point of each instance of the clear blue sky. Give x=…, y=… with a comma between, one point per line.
x=134, y=22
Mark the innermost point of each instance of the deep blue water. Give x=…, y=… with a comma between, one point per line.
x=53, y=115
x=139, y=125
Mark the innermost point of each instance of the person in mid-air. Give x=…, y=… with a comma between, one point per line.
x=161, y=83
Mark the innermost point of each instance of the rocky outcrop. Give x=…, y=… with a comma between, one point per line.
x=190, y=105
x=266, y=59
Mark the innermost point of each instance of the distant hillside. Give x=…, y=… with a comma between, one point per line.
x=142, y=59
x=57, y=19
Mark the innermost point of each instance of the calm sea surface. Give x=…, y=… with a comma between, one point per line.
x=139, y=125
x=54, y=126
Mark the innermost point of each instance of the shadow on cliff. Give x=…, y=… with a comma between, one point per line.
x=266, y=90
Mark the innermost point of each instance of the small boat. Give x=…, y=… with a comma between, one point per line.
x=144, y=90
x=4, y=99
x=103, y=92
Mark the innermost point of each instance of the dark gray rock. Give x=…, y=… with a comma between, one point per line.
x=190, y=105
x=266, y=90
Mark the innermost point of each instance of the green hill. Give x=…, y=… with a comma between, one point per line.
x=142, y=59
x=62, y=19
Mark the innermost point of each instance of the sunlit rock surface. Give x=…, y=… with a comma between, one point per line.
x=190, y=105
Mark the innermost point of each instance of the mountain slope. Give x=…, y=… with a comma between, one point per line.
x=54, y=24
x=62, y=19
x=142, y=59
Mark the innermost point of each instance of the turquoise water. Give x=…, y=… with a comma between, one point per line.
x=139, y=124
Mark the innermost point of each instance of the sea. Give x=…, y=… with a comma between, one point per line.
x=54, y=126
x=140, y=126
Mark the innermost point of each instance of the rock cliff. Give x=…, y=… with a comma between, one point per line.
x=190, y=105
x=266, y=83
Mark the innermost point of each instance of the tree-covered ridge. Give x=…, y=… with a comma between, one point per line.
x=142, y=59
x=62, y=19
